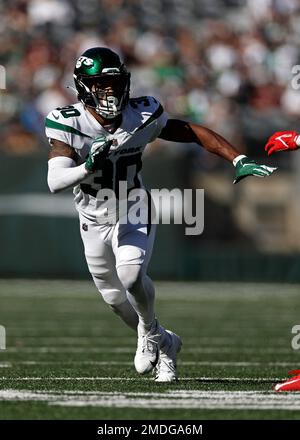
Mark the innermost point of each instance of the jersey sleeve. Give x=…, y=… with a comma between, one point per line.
x=157, y=114
x=56, y=128
x=161, y=120
x=163, y=116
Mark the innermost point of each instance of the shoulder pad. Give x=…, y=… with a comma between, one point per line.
x=65, y=120
x=65, y=115
x=146, y=104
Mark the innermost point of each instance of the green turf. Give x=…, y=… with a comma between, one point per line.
x=62, y=340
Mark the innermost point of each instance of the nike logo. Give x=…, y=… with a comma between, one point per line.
x=156, y=359
x=56, y=117
x=279, y=138
x=279, y=386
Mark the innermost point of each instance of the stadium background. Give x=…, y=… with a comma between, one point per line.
x=226, y=64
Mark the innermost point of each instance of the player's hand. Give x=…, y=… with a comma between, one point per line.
x=99, y=151
x=281, y=141
x=246, y=167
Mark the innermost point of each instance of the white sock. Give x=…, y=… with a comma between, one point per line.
x=140, y=292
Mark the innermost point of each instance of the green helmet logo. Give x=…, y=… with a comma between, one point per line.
x=102, y=81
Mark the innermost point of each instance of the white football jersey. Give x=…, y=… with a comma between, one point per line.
x=142, y=121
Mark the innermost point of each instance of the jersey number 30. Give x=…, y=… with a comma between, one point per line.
x=110, y=179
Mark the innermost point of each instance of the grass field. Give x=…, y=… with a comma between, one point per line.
x=69, y=357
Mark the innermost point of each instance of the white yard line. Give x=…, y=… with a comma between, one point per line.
x=131, y=349
x=171, y=399
x=138, y=378
x=182, y=363
x=68, y=379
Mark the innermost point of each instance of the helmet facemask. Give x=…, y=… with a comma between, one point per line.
x=107, y=93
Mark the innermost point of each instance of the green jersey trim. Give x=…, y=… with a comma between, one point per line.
x=57, y=126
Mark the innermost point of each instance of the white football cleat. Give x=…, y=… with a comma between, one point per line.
x=166, y=367
x=147, y=352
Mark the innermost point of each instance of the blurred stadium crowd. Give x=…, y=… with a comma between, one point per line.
x=226, y=64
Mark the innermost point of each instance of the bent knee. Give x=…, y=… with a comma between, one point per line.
x=130, y=276
x=112, y=295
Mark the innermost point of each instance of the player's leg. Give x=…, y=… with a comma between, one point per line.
x=140, y=292
x=101, y=263
x=133, y=245
x=115, y=296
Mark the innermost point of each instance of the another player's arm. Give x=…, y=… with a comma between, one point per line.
x=283, y=141
x=180, y=131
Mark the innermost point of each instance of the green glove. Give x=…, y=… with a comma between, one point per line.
x=246, y=167
x=98, y=152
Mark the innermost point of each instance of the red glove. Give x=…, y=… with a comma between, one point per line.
x=282, y=140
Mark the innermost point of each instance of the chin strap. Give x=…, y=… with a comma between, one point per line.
x=106, y=116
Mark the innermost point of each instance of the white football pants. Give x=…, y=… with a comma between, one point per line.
x=117, y=257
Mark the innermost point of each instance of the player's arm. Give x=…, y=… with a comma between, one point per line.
x=282, y=141
x=180, y=131
x=63, y=171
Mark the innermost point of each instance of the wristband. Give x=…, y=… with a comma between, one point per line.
x=237, y=159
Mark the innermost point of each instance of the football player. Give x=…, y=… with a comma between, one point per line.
x=285, y=141
x=98, y=143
